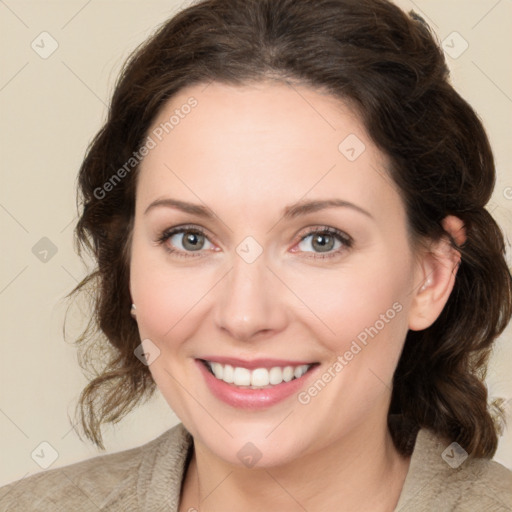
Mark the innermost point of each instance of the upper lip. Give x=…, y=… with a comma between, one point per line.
x=254, y=363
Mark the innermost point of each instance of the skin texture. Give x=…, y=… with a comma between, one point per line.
x=246, y=152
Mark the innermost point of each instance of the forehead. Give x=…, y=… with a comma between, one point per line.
x=261, y=146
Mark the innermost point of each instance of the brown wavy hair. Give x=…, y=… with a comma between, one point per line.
x=390, y=67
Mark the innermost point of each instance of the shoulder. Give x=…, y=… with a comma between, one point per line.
x=95, y=484
x=443, y=477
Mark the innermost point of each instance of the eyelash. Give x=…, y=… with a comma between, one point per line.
x=345, y=239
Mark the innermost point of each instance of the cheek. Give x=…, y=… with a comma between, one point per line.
x=357, y=302
x=167, y=297
x=164, y=302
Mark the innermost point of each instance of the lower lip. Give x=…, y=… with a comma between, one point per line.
x=252, y=398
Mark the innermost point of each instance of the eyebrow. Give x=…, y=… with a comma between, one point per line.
x=290, y=212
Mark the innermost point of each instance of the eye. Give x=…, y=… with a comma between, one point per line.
x=326, y=241
x=185, y=239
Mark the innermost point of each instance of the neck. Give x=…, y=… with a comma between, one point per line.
x=362, y=471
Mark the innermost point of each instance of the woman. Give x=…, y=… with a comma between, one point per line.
x=286, y=205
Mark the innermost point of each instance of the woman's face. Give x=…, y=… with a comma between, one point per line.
x=290, y=249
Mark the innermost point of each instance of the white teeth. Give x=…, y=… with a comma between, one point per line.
x=300, y=371
x=275, y=375
x=228, y=374
x=242, y=377
x=288, y=373
x=218, y=370
x=259, y=377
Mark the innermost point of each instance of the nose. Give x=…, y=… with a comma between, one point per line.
x=250, y=304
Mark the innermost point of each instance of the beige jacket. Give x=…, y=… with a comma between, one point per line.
x=148, y=478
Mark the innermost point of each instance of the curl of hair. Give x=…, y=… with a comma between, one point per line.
x=389, y=67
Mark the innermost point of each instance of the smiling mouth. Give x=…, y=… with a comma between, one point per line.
x=258, y=378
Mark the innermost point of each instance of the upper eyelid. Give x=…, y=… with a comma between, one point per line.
x=180, y=229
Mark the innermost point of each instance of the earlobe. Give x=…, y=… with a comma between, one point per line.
x=438, y=269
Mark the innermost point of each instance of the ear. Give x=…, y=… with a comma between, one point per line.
x=437, y=269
